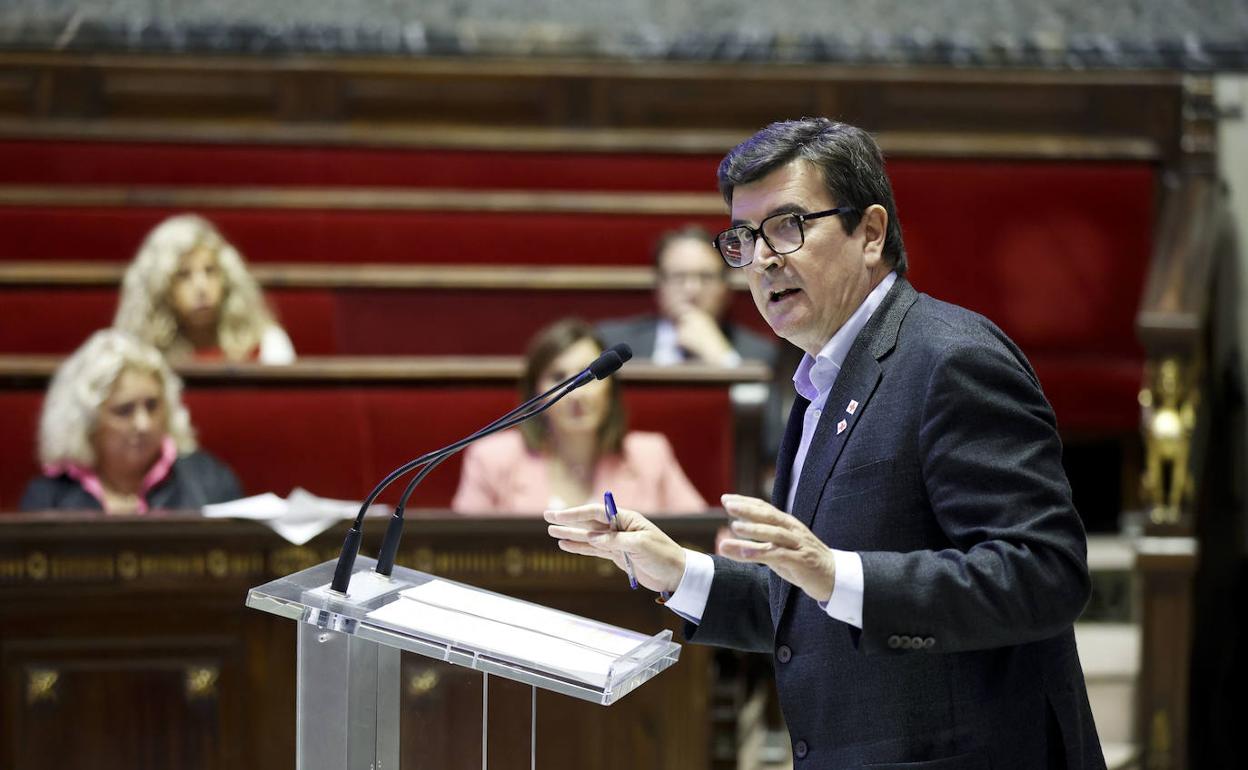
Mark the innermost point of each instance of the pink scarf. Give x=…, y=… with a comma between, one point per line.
x=91, y=482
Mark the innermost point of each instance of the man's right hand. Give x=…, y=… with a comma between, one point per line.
x=658, y=561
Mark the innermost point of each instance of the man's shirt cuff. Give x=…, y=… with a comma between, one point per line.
x=689, y=600
x=845, y=604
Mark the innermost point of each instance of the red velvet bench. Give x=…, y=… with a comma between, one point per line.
x=337, y=426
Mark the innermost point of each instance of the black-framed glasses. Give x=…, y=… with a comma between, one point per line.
x=783, y=233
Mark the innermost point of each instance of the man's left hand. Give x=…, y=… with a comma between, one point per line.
x=699, y=334
x=765, y=535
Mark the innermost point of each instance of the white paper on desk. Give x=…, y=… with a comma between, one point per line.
x=511, y=628
x=299, y=518
x=266, y=506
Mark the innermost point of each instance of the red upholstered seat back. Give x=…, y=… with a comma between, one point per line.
x=336, y=236
x=1054, y=252
x=1056, y=255
x=19, y=423
x=57, y=320
x=276, y=439
x=40, y=320
x=222, y=165
x=338, y=442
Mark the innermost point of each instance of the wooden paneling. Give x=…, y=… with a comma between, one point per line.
x=1167, y=569
x=125, y=644
x=359, y=198
x=517, y=103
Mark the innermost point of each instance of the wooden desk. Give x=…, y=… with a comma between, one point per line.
x=125, y=644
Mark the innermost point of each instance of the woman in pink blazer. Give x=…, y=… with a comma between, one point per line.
x=575, y=451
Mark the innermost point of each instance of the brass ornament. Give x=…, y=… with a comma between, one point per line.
x=41, y=685
x=37, y=566
x=201, y=682
x=1168, y=405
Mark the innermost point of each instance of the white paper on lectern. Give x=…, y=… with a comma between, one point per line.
x=514, y=612
x=511, y=628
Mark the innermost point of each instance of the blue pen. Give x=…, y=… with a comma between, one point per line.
x=612, y=519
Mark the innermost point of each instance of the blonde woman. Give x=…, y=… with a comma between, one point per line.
x=188, y=293
x=114, y=435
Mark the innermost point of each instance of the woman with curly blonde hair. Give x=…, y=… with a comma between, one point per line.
x=114, y=435
x=188, y=293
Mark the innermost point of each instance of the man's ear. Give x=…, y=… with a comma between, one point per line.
x=874, y=227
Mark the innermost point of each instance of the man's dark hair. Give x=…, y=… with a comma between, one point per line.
x=847, y=157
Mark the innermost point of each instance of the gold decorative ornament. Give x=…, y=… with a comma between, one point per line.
x=1168, y=405
x=513, y=561
x=423, y=560
x=218, y=563
x=284, y=561
x=422, y=683
x=41, y=685
x=37, y=565
x=1159, y=743
x=201, y=682
x=127, y=565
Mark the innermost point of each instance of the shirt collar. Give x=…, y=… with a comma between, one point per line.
x=666, y=344
x=815, y=375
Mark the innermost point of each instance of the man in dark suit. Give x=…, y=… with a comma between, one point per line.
x=918, y=571
x=692, y=295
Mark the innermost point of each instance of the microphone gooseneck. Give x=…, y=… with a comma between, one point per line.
x=602, y=367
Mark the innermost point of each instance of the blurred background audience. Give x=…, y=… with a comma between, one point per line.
x=114, y=435
x=188, y=292
x=577, y=450
x=692, y=297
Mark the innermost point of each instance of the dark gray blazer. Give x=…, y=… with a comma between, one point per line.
x=947, y=479
x=639, y=332
x=195, y=480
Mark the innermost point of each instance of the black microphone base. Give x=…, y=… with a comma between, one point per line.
x=346, y=561
x=390, y=544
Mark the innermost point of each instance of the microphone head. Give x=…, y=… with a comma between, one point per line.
x=623, y=351
x=605, y=365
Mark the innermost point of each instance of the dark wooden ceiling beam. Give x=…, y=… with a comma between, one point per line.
x=539, y=104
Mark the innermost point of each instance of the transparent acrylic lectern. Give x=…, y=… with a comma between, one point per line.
x=347, y=709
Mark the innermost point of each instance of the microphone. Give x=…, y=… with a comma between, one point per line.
x=623, y=351
x=604, y=366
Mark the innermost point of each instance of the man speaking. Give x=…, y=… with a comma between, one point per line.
x=919, y=568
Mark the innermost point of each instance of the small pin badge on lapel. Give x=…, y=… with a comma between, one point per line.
x=840, y=427
x=853, y=406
